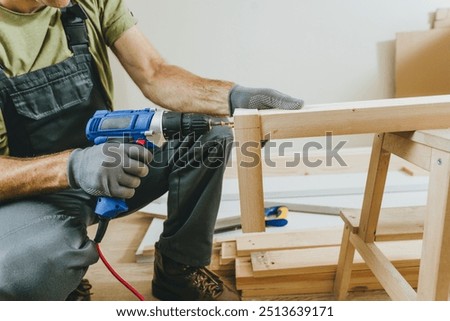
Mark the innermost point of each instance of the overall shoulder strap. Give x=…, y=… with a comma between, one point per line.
x=73, y=19
x=2, y=73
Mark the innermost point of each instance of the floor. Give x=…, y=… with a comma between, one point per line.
x=119, y=246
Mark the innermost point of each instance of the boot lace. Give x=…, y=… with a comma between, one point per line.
x=82, y=292
x=208, y=283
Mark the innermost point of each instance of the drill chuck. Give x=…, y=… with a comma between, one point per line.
x=179, y=125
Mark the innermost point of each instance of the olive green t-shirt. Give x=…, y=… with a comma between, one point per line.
x=34, y=41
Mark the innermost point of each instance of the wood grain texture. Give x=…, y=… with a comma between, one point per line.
x=324, y=259
x=397, y=223
x=359, y=117
x=248, y=154
x=434, y=278
x=385, y=271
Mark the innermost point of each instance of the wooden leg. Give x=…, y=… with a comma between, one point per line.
x=248, y=138
x=434, y=274
x=344, y=267
x=373, y=194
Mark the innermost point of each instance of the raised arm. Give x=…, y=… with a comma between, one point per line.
x=167, y=85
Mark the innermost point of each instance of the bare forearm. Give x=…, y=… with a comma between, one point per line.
x=167, y=85
x=22, y=177
x=177, y=89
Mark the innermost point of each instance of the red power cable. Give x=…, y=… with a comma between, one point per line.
x=117, y=276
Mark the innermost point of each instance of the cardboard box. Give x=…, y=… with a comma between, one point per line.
x=442, y=18
x=422, y=63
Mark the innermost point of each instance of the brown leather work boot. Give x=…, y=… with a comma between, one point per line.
x=173, y=281
x=82, y=292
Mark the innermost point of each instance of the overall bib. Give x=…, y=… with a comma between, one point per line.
x=44, y=247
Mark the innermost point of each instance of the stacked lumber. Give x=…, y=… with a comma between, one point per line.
x=305, y=261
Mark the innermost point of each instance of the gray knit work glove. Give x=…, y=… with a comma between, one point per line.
x=261, y=98
x=109, y=169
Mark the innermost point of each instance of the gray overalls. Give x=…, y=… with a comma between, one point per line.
x=44, y=247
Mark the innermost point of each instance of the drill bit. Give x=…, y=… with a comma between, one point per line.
x=222, y=123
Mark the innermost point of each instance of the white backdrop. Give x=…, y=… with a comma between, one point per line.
x=319, y=50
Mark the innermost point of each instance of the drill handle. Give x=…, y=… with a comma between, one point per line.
x=110, y=207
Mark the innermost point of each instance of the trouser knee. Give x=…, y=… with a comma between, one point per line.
x=47, y=262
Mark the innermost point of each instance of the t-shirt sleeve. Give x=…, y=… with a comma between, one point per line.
x=116, y=19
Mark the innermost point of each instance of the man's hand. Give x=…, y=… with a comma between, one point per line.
x=110, y=169
x=261, y=98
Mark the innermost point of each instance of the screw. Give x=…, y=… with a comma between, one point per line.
x=439, y=161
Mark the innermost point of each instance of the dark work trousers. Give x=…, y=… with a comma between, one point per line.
x=44, y=247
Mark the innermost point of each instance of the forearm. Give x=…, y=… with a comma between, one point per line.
x=167, y=85
x=177, y=89
x=22, y=177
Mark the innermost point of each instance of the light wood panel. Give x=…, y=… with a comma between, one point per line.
x=359, y=117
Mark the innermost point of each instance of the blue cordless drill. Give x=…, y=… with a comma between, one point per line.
x=146, y=127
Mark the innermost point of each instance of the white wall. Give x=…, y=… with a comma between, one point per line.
x=319, y=50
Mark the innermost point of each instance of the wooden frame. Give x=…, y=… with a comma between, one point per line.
x=406, y=127
x=361, y=117
x=431, y=151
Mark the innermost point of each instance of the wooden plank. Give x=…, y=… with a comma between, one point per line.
x=227, y=253
x=216, y=266
x=324, y=259
x=308, y=283
x=434, y=275
x=405, y=148
x=435, y=138
x=385, y=271
x=248, y=154
x=359, y=117
x=398, y=223
x=373, y=193
x=344, y=266
x=257, y=242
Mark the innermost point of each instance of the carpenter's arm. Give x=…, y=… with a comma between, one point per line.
x=167, y=85
x=22, y=177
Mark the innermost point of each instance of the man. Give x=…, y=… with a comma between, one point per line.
x=54, y=74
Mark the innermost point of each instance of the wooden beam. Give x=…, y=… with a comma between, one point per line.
x=418, y=154
x=397, y=223
x=434, y=277
x=344, y=266
x=435, y=138
x=314, y=282
x=324, y=259
x=359, y=117
x=227, y=253
x=388, y=275
x=258, y=242
x=373, y=193
x=248, y=153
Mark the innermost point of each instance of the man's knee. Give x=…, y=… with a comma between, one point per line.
x=45, y=264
